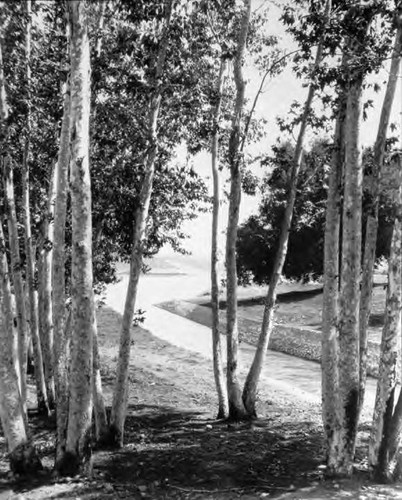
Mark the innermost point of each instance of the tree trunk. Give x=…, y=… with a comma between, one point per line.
x=120, y=394
x=58, y=274
x=22, y=454
x=341, y=438
x=22, y=326
x=101, y=427
x=381, y=458
x=372, y=218
x=219, y=374
x=253, y=377
x=78, y=445
x=237, y=410
x=101, y=424
x=348, y=403
x=30, y=260
x=45, y=293
x=13, y=238
x=330, y=347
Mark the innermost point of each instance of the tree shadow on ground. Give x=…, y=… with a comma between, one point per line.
x=172, y=451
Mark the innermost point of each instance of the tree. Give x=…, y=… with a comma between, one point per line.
x=340, y=374
x=29, y=254
x=258, y=236
x=58, y=274
x=120, y=394
x=251, y=384
x=372, y=207
x=78, y=442
x=22, y=454
x=236, y=407
x=216, y=336
x=384, y=446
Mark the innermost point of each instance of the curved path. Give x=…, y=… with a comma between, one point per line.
x=288, y=375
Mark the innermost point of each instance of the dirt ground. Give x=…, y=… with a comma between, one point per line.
x=175, y=449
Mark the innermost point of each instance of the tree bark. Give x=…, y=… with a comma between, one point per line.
x=381, y=458
x=237, y=410
x=219, y=374
x=12, y=223
x=58, y=273
x=341, y=437
x=349, y=302
x=30, y=260
x=78, y=444
x=330, y=347
x=22, y=454
x=45, y=293
x=372, y=218
x=253, y=377
x=13, y=238
x=101, y=424
x=101, y=427
x=120, y=394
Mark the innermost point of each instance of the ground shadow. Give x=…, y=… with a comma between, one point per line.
x=183, y=451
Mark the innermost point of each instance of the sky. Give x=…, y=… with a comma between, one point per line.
x=279, y=93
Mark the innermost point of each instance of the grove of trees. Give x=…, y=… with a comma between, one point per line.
x=95, y=99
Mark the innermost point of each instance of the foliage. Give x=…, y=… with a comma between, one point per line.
x=258, y=236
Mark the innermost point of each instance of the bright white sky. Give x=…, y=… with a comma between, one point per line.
x=275, y=101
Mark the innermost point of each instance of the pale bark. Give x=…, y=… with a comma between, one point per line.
x=329, y=352
x=12, y=224
x=13, y=238
x=101, y=424
x=253, y=377
x=381, y=457
x=120, y=394
x=58, y=274
x=45, y=293
x=219, y=374
x=372, y=209
x=78, y=444
x=236, y=406
x=99, y=28
x=101, y=427
x=22, y=455
x=341, y=427
x=29, y=255
x=349, y=297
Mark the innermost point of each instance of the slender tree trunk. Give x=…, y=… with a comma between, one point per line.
x=78, y=444
x=23, y=338
x=45, y=294
x=219, y=374
x=101, y=427
x=13, y=238
x=372, y=209
x=22, y=454
x=120, y=394
x=330, y=348
x=253, y=377
x=30, y=260
x=236, y=406
x=381, y=458
x=58, y=274
x=101, y=424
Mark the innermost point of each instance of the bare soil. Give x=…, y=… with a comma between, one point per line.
x=175, y=449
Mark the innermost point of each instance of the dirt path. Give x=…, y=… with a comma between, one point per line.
x=287, y=375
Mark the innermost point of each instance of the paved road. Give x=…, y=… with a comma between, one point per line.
x=298, y=378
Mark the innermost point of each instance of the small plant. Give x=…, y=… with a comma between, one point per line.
x=139, y=317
